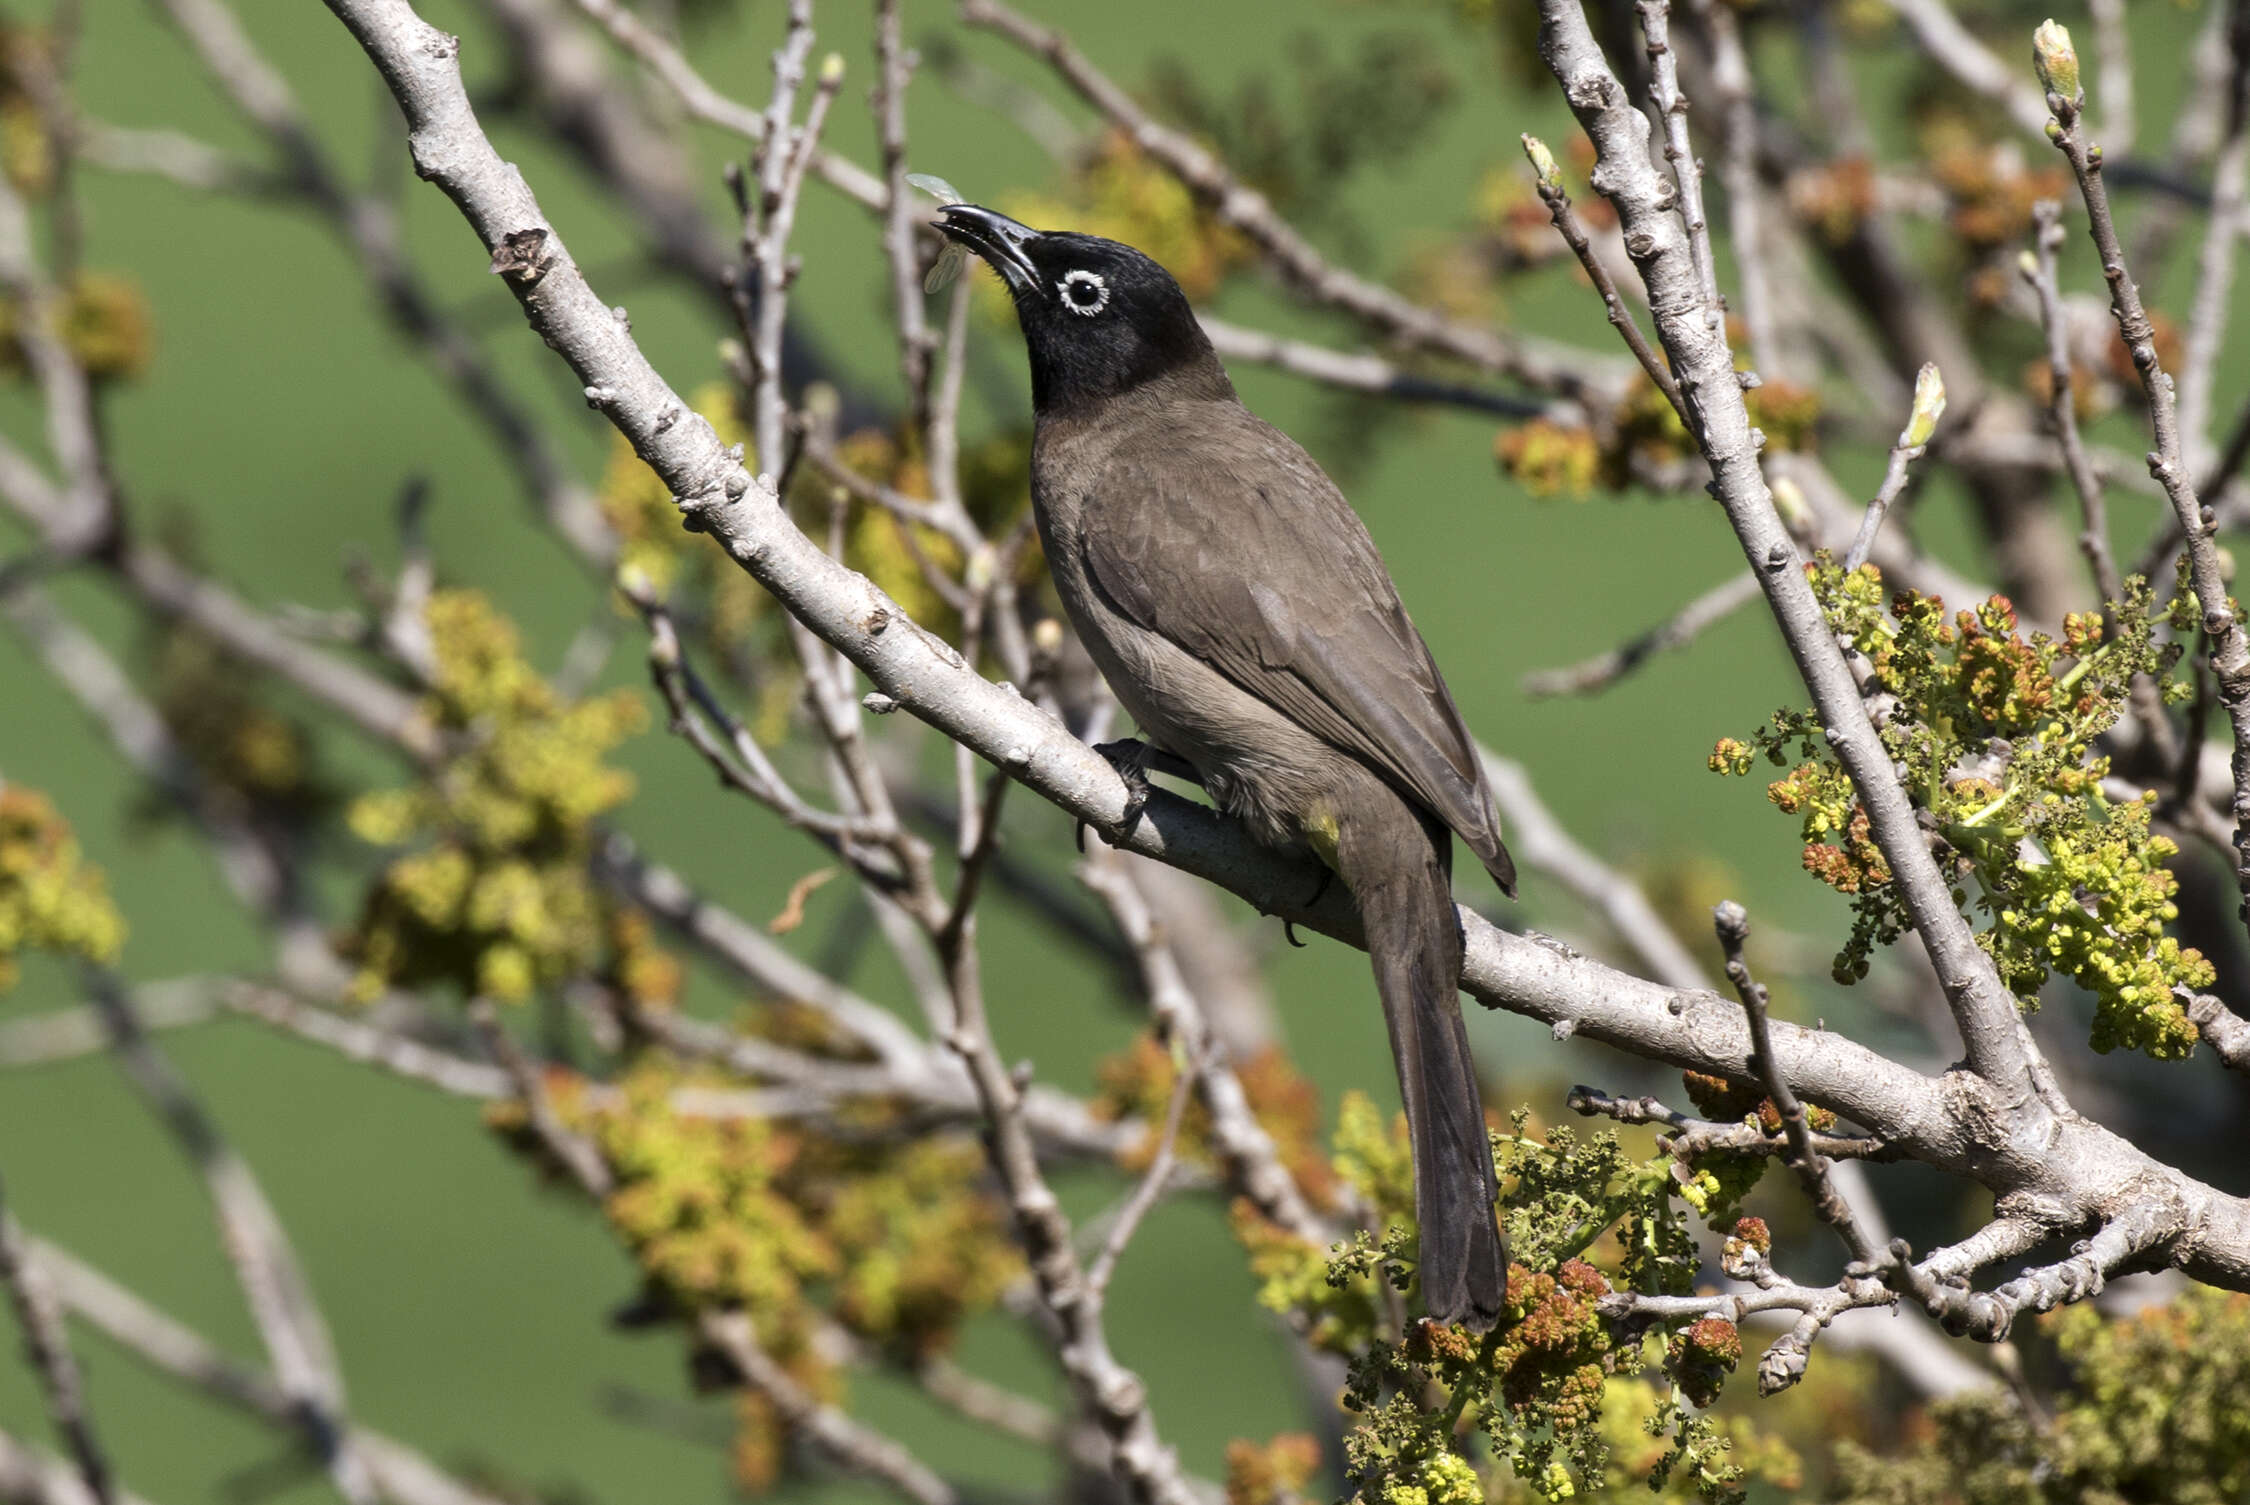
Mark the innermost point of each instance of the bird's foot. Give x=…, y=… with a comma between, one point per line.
x=1129, y=757
x=1320, y=889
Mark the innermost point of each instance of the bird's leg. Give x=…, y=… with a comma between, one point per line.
x=1289, y=927
x=1130, y=757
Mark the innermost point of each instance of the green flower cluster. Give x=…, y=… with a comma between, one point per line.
x=2151, y=1412
x=1641, y=436
x=896, y=1238
x=1584, y=1218
x=1271, y=1472
x=1996, y=732
x=1137, y=1082
x=495, y=898
x=101, y=318
x=51, y=899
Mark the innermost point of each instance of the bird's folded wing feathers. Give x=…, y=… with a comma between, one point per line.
x=1253, y=562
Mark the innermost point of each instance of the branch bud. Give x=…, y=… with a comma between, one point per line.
x=1542, y=162
x=832, y=70
x=2057, y=61
x=1929, y=407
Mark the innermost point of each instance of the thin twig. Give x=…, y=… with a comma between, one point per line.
x=403, y=1475
x=1687, y=168
x=1241, y=207
x=1732, y=923
x=1548, y=176
x=740, y=762
x=2207, y=317
x=1738, y=170
x=1690, y=1137
x=1149, y=1190
x=2229, y=647
x=707, y=104
x=2062, y=408
x=1949, y=44
x=47, y=1345
x=1244, y=1149
x=1603, y=670
x=575, y=1152
x=1929, y=406
x=851, y=1444
x=1983, y=1008
x=273, y=1283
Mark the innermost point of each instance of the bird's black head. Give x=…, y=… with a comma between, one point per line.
x=1099, y=318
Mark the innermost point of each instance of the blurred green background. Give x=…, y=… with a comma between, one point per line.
x=278, y=425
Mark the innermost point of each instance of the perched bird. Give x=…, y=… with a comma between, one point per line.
x=1240, y=612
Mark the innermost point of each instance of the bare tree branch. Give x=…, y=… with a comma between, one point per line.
x=401, y=1475
x=2071, y=1171
x=47, y=1343
x=2229, y=646
x=1949, y=45
x=1982, y=1005
x=273, y=1283
x=1676, y=631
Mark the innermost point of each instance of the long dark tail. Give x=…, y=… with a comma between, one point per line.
x=1397, y=865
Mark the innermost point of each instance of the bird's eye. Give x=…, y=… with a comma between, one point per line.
x=1084, y=292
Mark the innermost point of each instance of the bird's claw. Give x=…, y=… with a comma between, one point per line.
x=1130, y=758
x=1289, y=927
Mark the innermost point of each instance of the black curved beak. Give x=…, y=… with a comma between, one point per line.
x=996, y=238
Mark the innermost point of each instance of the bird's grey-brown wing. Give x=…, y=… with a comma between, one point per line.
x=1228, y=540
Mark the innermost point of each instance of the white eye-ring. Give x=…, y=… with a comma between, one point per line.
x=1084, y=292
